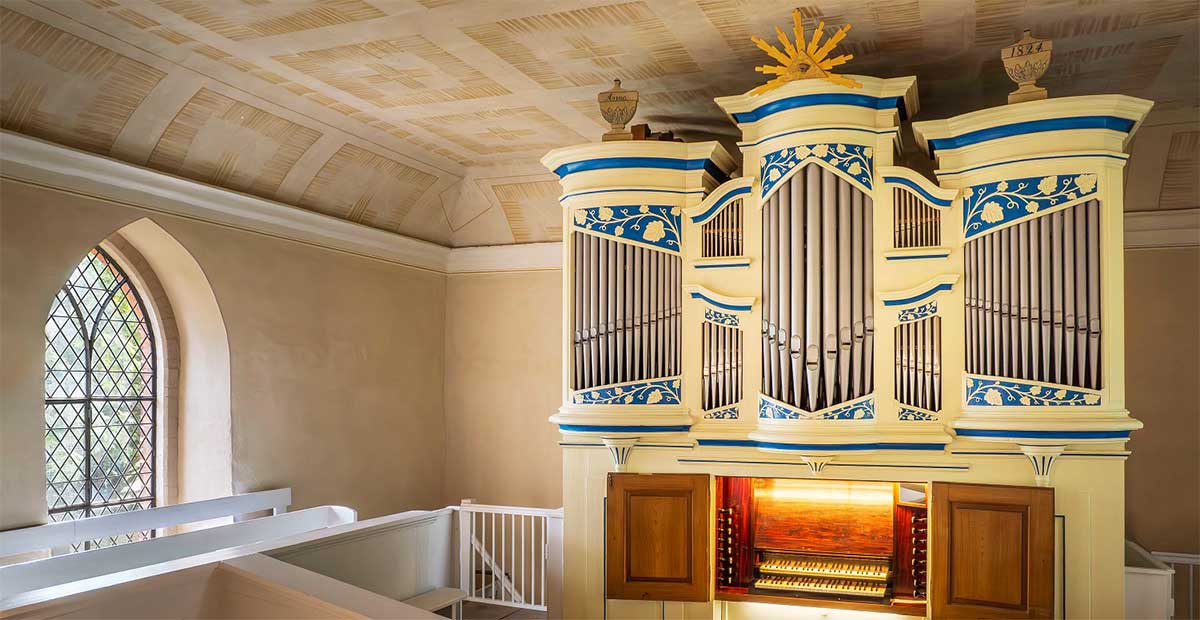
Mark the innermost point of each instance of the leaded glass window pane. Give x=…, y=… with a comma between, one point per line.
x=100, y=397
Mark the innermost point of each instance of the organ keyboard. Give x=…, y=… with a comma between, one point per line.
x=823, y=585
x=868, y=569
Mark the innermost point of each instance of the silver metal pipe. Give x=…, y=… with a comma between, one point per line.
x=1069, y=283
x=785, y=291
x=603, y=308
x=829, y=183
x=648, y=313
x=1058, y=316
x=727, y=364
x=1035, y=300
x=812, y=280
x=985, y=302
x=1093, y=243
x=996, y=344
x=927, y=361
x=1004, y=270
x=767, y=300
x=622, y=282
x=1013, y=346
x=937, y=363
x=969, y=317
x=593, y=300
x=773, y=265
x=869, y=301
x=1081, y=294
x=706, y=362
x=576, y=311
x=660, y=314
x=903, y=346
x=856, y=292
x=796, y=326
x=1046, y=302
x=843, y=289
x=914, y=362
x=1023, y=328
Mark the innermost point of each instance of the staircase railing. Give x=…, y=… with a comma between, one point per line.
x=509, y=555
x=1186, y=586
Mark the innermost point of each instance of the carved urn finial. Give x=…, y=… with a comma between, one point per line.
x=617, y=106
x=1025, y=61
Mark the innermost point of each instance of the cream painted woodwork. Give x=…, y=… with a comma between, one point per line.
x=998, y=170
x=326, y=564
x=427, y=117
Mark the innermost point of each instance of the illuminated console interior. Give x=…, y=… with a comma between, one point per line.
x=816, y=541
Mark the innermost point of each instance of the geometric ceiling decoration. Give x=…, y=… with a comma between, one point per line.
x=428, y=117
x=65, y=89
x=217, y=140
x=587, y=46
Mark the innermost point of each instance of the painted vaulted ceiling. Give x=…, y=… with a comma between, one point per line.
x=427, y=117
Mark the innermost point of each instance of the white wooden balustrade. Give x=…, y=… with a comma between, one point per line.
x=508, y=555
x=499, y=554
x=66, y=533
x=1186, y=587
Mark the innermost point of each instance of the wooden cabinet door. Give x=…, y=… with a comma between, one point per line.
x=991, y=551
x=658, y=537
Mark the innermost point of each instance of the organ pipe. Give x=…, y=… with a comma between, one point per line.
x=1045, y=273
x=817, y=298
x=627, y=312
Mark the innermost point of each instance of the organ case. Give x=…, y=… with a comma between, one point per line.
x=831, y=309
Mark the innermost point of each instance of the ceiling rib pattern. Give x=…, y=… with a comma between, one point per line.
x=427, y=117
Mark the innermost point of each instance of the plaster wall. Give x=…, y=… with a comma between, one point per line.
x=1162, y=302
x=336, y=382
x=503, y=380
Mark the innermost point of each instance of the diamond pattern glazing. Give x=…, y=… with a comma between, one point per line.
x=100, y=398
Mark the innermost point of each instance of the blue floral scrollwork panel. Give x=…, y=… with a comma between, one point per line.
x=908, y=414
x=909, y=315
x=654, y=225
x=990, y=205
x=861, y=409
x=720, y=318
x=653, y=392
x=726, y=413
x=990, y=392
x=853, y=159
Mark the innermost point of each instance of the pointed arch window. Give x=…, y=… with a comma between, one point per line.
x=101, y=396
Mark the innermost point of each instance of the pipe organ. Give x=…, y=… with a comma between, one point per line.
x=820, y=322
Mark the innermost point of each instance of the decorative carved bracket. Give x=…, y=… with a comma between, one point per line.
x=816, y=463
x=619, y=448
x=1042, y=459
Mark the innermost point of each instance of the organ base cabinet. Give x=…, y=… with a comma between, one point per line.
x=962, y=550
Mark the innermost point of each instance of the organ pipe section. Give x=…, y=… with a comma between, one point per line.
x=827, y=302
x=818, y=304
x=624, y=312
x=1033, y=299
x=1039, y=242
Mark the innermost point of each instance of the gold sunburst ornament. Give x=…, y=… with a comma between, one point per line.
x=804, y=60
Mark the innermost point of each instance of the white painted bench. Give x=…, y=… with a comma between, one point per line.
x=438, y=599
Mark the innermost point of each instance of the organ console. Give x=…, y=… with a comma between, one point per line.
x=821, y=540
x=862, y=362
